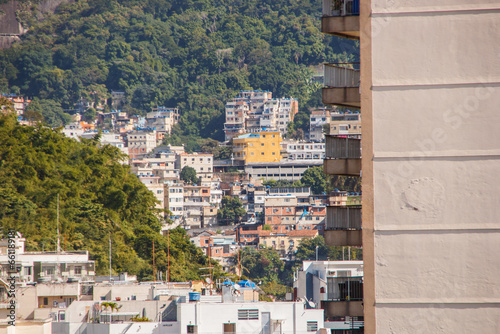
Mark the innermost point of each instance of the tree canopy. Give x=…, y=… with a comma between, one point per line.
x=98, y=198
x=193, y=54
x=188, y=175
x=231, y=211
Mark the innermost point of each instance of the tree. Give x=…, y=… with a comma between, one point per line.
x=90, y=115
x=231, y=211
x=188, y=175
x=315, y=178
x=306, y=251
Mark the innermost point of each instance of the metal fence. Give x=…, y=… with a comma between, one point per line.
x=342, y=148
x=340, y=7
x=343, y=218
x=341, y=75
x=345, y=288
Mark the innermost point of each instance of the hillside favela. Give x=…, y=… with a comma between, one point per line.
x=249, y=167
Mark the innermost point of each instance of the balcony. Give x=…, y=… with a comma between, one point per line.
x=343, y=226
x=341, y=18
x=341, y=83
x=344, y=297
x=343, y=156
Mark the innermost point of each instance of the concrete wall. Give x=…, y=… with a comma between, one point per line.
x=430, y=91
x=210, y=317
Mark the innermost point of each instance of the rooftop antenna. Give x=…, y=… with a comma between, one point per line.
x=58, y=236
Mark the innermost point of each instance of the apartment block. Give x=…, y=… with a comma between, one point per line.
x=256, y=111
x=345, y=123
x=317, y=120
x=203, y=163
x=174, y=199
x=162, y=119
x=303, y=151
x=343, y=157
x=334, y=286
x=262, y=146
x=140, y=143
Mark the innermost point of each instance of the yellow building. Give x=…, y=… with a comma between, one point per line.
x=262, y=146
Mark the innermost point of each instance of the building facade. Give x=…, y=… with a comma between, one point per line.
x=262, y=146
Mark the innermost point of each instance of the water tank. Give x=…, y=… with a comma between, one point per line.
x=194, y=296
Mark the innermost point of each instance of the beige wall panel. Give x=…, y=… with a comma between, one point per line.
x=427, y=122
x=455, y=48
x=440, y=267
x=438, y=194
x=427, y=5
x=438, y=319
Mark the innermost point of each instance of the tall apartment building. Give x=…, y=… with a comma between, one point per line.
x=256, y=111
x=343, y=153
x=430, y=231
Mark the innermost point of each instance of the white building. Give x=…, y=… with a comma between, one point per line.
x=317, y=120
x=174, y=200
x=203, y=163
x=257, y=111
x=45, y=266
x=140, y=143
x=335, y=286
x=162, y=119
x=296, y=151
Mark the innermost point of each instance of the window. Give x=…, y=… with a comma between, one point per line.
x=78, y=270
x=274, y=153
x=252, y=314
x=45, y=301
x=261, y=144
x=312, y=326
x=261, y=153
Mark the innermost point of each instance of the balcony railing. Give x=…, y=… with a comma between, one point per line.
x=345, y=288
x=342, y=148
x=340, y=7
x=343, y=218
x=341, y=75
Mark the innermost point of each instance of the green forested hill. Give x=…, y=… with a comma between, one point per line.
x=194, y=54
x=99, y=198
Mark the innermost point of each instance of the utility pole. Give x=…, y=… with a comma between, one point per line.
x=109, y=257
x=58, y=236
x=168, y=256
x=154, y=266
x=210, y=267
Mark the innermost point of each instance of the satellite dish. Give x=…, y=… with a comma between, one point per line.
x=208, y=280
x=311, y=304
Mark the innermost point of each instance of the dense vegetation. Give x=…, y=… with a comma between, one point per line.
x=98, y=198
x=191, y=54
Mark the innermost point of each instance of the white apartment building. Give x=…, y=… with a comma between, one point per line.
x=45, y=266
x=297, y=151
x=345, y=123
x=162, y=119
x=153, y=184
x=336, y=286
x=203, y=163
x=140, y=143
x=317, y=120
x=174, y=199
x=256, y=111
